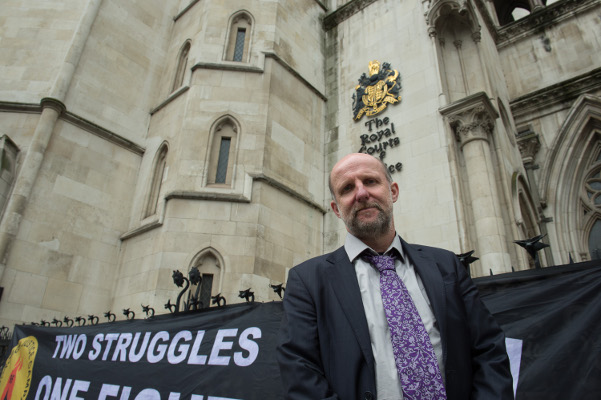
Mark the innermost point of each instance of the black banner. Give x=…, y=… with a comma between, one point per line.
x=553, y=319
x=217, y=354
x=551, y=316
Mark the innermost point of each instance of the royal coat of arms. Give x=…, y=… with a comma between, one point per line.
x=374, y=92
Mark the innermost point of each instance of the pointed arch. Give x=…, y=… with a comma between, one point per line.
x=238, y=40
x=211, y=267
x=223, y=149
x=182, y=62
x=159, y=167
x=461, y=11
x=454, y=24
x=573, y=160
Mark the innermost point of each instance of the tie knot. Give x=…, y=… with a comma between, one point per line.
x=382, y=263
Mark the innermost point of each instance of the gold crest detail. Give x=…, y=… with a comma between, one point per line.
x=374, y=92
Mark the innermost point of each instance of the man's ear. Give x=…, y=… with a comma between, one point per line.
x=394, y=191
x=335, y=208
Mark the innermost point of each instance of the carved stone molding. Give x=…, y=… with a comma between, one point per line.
x=440, y=10
x=74, y=119
x=57, y=105
x=343, y=13
x=471, y=118
x=529, y=144
x=532, y=24
x=562, y=92
x=540, y=18
x=473, y=125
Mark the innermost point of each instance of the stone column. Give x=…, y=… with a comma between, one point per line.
x=9, y=227
x=536, y=5
x=472, y=120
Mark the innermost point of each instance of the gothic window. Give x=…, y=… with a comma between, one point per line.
x=222, y=160
x=592, y=207
x=238, y=42
x=182, y=62
x=571, y=181
x=206, y=288
x=594, y=241
x=239, y=45
x=8, y=162
x=209, y=265
x=157, y=181
x=222, y=152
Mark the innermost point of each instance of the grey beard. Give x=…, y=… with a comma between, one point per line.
x=366, y=230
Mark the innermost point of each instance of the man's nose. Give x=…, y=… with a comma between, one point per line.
x=361, y=194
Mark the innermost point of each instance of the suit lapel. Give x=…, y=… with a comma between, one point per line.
x=343, y=281
x=428, y=271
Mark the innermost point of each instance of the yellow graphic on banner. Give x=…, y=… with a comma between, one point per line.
x=15, y=380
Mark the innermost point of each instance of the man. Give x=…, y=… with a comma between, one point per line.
x=341, y=337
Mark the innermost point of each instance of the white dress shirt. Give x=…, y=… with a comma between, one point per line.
x=387, y=380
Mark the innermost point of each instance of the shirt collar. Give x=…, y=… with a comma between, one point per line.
x=354, y=247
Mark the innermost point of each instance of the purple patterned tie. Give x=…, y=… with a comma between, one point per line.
x=413, y=352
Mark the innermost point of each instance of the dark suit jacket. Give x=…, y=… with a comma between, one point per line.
x=325, y=352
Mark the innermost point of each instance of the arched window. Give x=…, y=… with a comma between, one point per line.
x=158, y=175
x=182, y=62
x=594, y=241
x=222, y=152
x=571, y=179
x=592, y=207
x=238, y=41
x=8, y=163
x=210, y=266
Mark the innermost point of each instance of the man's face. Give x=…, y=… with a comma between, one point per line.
x=363, y=196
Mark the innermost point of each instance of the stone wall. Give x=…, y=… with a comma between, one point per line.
x=396, y=32
x=65, y=257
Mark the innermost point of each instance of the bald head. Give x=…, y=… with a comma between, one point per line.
x=352, y=158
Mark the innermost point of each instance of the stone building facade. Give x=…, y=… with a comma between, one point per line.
x=141, y=137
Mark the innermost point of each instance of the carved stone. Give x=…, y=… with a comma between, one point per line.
x=567, y=90
x=343, y=13
x=471, y=118
x=441, y=9
x=529, y=144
